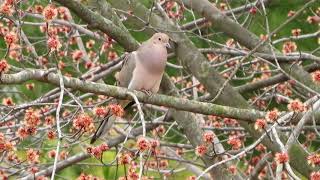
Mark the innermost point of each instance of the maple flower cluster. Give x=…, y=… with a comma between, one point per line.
x=83, y=122
x=31, y=122
x=207, y=138
x=98, y=150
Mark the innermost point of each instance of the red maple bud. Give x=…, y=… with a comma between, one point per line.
x=296, y=32
x=63, y=155
x=261, y=148
x=34, y=170
x=7, y=101
x=291, y=13
x=89, y=150
x=253, y=10
x=233, y=169
x=90, y=44
x=30, y=86
x=38, y=8
x=89, y=65
x=61, y=65
x=52, y=154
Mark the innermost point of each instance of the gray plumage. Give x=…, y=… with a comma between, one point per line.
x=142, y=70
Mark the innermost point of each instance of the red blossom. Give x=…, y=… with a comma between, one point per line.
x=89, y=65
x=100, y=111
x=281, y=158
x=260, y=124
x=316, y=76
x=235, y=142
x=272, y=116
x=116, y=109
x=11, y=38
x=315, y=175
x=201, y=150
x=125, y=158
x=253, y=10
x=143, y=144
x=33, y=156
x=63, y=155
x=296, y=32
x=61, y=65
x=90, y=44
x=49, y=121
x=6, y=9
x=7, y=101
x=34, y=170
x=38, y=8
x=104, y=147
x=4, y=66
x=49, y=13
x=32, y=118
x=314, y=159
x=289, y=47
x=296, y=106
x=208, y=137
x=77, y=55
x=54, y=43
x=112, y=55
x=261, y=148
x=22, y=133
x=83, y=122
x=51, y=135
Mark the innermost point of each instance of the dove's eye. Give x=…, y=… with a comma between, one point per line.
x=159, y=39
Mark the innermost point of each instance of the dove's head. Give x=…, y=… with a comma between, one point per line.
x=161, y=38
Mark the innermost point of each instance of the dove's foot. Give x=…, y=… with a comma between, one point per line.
x=147, y=92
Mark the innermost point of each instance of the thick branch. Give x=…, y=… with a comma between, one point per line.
x=121, y=93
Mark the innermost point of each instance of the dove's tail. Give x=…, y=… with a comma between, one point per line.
x=106, y=124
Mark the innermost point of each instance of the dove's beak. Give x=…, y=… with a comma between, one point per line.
x=168, y=45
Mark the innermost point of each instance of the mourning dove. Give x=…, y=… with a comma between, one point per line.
x=141, y=70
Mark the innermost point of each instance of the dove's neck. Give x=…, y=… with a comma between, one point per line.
x=153, y=57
